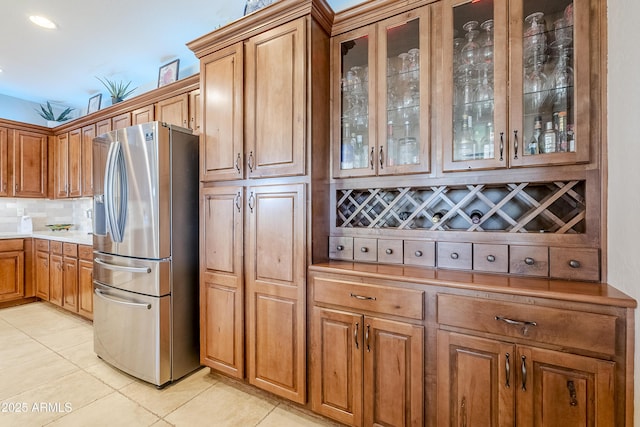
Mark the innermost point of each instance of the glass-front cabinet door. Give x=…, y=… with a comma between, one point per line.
x=474, y=126
x=549, y=82
x=380, y=80
x=403, y=94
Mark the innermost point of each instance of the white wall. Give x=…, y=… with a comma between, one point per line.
x=624, y=158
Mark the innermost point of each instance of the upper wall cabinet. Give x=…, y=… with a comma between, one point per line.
x=4, y=161
x=381, y=92
x=510, y=69
x=29, y=164
x=68, y=162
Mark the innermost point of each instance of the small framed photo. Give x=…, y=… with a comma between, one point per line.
x=94, y=103
x=168, y=73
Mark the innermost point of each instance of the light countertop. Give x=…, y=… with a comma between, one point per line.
x=79, y=237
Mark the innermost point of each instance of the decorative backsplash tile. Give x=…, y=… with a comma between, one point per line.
x=42, y=212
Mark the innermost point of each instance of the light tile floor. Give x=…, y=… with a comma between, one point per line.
x=49, y=375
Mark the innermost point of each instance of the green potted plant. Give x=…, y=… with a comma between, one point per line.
x=48, y=114
x=118, y=90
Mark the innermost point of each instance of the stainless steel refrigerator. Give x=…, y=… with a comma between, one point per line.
x=145, y=241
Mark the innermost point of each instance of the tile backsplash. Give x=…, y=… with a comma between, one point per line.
x=44, y=211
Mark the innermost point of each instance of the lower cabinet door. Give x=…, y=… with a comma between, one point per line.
x=476, y=379
x=85, y=288
x=561, y=389
x=393, y=373
x=336, y=365
x=56, y=278
x=42, y=275
x=11, y=275
x=70, y=284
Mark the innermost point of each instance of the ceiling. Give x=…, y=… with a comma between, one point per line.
x=118, y=39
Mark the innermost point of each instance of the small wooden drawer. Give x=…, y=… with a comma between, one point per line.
x=70, y=250
x=420, y=253
x=341, y=248
x=42, y=245
x=390, y=251
x=380, y=299
x=574, y=263
x=55, y=247
x=492, y=258
x=365, y=249
x=562, y=327
x=455, y=255
x=529, y=260
x=8, y=245
x=85, y=252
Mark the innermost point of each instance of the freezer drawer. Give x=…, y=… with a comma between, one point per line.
x=148, y=277
x=132, y=333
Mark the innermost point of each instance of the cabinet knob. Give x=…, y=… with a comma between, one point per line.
x=454, y=255
x=389, y=251
x=418, y=254
x=340, y=247
x=529, y=261
x=363, y=249
x=574, y=263
x=491, y=258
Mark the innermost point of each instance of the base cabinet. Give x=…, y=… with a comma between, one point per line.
x=366, y=370
x=11, y=269
x=484, y=382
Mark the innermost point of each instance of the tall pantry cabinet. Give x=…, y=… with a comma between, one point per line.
x=264, y=102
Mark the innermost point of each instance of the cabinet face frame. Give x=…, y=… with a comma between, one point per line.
x=88, y=133
x=4, y=162
x=75, y=163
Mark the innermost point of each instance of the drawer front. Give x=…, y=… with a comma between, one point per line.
x=55, y=247
x=566, y=328
x=574, y=263
x=70, y=250
x=341, y=248
x=365, y=249
x=9, y=245
x=529, y=260
x=491, y=258
x=420, y=253
x=454, y=255
x=85, y=252
x=390, y=251
x=42, y=245
x=380, y=299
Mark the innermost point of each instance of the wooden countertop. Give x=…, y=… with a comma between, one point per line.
x=588, y=292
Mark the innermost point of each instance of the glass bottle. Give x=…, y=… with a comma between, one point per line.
x=562, y=131
x=466, y=147
x=437, y=217
x=550, y=139
x=571, y=138
x=475, y=216
x=487, y=142
x=391, y=145
x=535, y=142
x=346, y=153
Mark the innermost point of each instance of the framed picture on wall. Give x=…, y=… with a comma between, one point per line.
x=168, y=73
x=94, y=103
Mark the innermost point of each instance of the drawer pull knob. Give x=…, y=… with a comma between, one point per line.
x=454, y=255
x=340, y=248
x=529, y=261
x=389, y=251
x=491, y=258
x=524, y=323
x=362, y=297
x=418, y=254
x=574, y=264
x=363, y=249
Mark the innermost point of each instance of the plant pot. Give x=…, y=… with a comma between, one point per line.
x=115, y=99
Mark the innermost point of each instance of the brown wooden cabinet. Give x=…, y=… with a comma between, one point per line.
x=174, y=111
x=56, y=275
x=68, y=164
x=121, y=121
x=12, y=269
x=4, y=161
x=103, y=126
x=29, y=160
x=195, y=111
x=222, y=280
x=142, y=115
x=42, y=269
x=88, y=133
x=85, y=281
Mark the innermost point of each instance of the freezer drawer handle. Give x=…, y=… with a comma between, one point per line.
x=122, y=267
x=102, y=295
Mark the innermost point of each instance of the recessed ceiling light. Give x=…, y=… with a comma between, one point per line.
x=43, y=22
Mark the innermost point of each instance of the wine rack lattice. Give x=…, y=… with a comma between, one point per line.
x=550, y=207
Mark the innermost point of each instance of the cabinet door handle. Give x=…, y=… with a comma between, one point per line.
x=454, y=255
x=238, y=161
x=501, y=145
x=574, y=263
x=507, y=370
x=529, y=261
x=366, y=338
x=340, y=248
x=238, y=201
x=491, y=258
x=364, y=249
x=524, y=373
x=355, y=335
x=515, y=144
x=573, y=399
x=418, y=254
x=515, y=322
x=371, y=157
x=389, y=251
x=463, y=412
x=250, y=161
x=252, y=202
x=362, y=297
x=381, y=158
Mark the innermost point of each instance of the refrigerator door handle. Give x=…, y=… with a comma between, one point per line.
x=108, y=266
x=102, y=295
x=108, y=191
x=124, y=192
